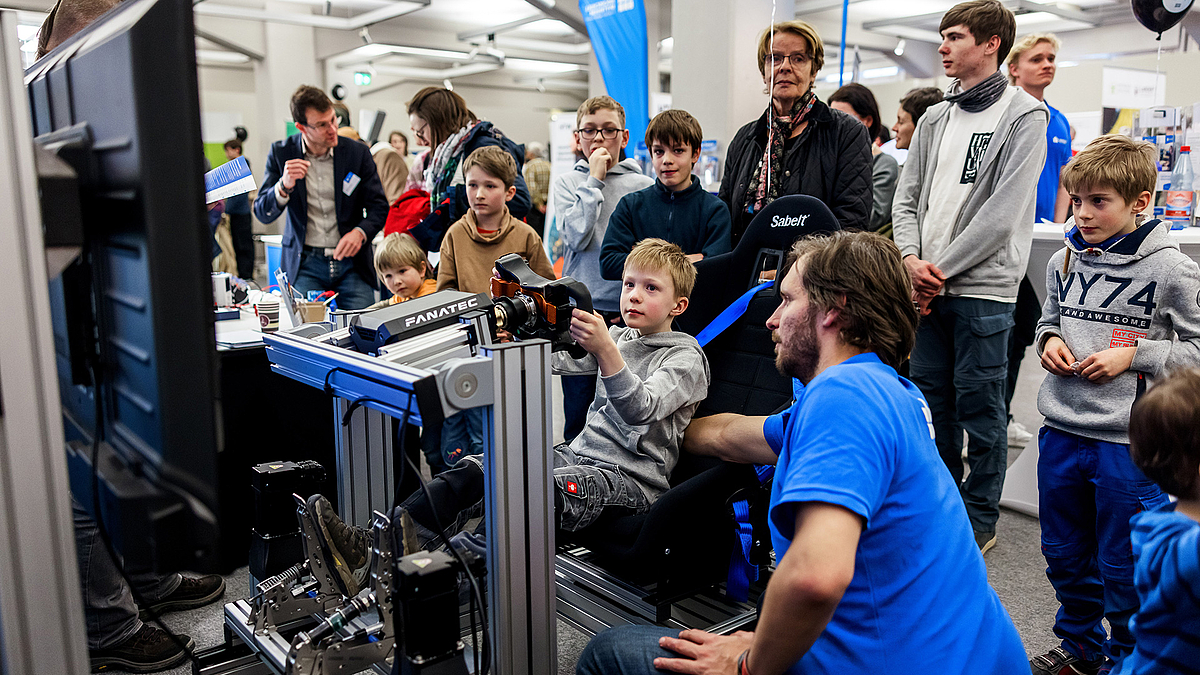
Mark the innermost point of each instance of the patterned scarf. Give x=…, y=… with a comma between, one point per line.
x=439, y=174
x=981, y=96
x=765, y=183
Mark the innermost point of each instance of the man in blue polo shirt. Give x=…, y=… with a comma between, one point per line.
x=877, y=570
x=1031, y=66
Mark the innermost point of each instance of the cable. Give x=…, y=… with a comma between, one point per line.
x=477, y=596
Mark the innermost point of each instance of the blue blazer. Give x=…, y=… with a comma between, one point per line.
x=365, y=207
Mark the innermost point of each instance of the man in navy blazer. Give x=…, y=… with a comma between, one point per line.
x=334, y=201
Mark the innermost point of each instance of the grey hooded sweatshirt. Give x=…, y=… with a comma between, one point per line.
x=1141, y=292
x=638, y=417
x=990, y=239
x=582, y=206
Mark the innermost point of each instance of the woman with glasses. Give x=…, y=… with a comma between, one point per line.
x=799, y=145
x=441, y=121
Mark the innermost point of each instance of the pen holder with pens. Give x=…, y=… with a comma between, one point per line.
x=311, y=312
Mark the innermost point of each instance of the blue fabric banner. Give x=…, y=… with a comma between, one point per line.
x=617, y=30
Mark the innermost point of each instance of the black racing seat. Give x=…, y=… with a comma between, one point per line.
x=684, y=542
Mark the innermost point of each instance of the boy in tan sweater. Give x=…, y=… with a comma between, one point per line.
x=469, y=252
x=488, y=231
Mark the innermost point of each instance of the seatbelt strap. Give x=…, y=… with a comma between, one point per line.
x=730, y=314
x=741, y=572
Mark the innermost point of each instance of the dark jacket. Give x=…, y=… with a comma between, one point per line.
x=430, y=231
x=830, y=160
x=365, y=207
x=692, y=219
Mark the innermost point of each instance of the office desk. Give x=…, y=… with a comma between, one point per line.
x=264, y=417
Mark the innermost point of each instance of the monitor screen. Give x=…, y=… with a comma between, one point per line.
x=133, y=314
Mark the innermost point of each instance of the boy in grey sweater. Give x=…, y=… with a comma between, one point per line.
x=652, y=379
x=1121, y=310
x=963, y=220
x=584, y=200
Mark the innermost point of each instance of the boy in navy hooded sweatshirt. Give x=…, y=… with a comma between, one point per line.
x=676, y=208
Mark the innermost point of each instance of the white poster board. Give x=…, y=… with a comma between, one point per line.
x=562, y=158
x=1129, y=88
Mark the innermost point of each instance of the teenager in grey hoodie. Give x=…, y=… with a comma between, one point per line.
x=584, y=200
x=963, y=220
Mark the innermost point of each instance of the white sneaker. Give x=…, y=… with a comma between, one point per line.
x=1018, y=435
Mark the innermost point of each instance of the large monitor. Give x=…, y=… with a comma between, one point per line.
x=133, y=317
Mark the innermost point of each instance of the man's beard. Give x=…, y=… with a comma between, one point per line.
x=799, y=360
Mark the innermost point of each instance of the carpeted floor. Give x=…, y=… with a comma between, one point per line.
x=1016, y=568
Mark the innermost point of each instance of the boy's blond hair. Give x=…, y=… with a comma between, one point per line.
x=658, y=255
x=1115, y=162
x=674, y=126
x=596, y=103
x=495, y=161
x=400, y=250
x=1026, y=43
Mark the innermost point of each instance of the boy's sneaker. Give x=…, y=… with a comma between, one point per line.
x=345, y=549
x=1018, y=435
x=985, y=541
x=193, y=592
x=147, y=651
x=1059, y=661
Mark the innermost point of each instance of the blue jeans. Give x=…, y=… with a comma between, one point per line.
x=578, y=393
x=1087, y=492
x=322, y=273
x=462, y=435
x=960, y=364
x=109, y=610
x=625, y=650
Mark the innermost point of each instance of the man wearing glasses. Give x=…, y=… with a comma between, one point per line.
x=584, y=200
x=334, y=203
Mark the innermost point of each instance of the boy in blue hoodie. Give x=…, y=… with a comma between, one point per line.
x=1164, y=444
x=675, y=208
x=1121, y=310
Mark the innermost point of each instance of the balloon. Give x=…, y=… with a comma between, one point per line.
x=1159, y=15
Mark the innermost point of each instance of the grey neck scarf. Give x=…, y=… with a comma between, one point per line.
x=981, y=96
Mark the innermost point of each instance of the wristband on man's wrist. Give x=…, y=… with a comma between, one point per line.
x=743, y=663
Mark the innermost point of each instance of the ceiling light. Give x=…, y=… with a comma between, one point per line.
x=448, y=84
x=542, y=66
x=899, y=50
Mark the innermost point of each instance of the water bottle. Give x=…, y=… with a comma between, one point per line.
x=1181, y=199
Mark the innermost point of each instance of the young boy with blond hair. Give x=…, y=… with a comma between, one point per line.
x=652, y=379
x=403, y=269
x=1165, y=445
x=675, y=208
x=1120, y=311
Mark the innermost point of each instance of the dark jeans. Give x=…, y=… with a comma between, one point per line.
x=1087, y=492
x=320, y=272
x=462, y=435
x=109, y=610
x=243, y=243
x=583, y=489
x=960, y=362
x=625, y=650
x=1025, y=320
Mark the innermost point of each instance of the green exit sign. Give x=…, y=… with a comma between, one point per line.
x=362, y=79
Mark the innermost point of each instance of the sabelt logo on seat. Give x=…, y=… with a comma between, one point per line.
x=789, y=221
x=441, y=312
